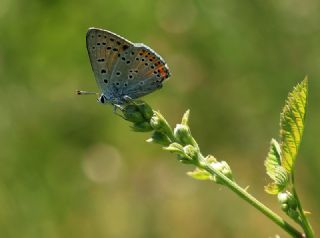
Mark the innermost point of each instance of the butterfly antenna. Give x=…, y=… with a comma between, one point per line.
x=79, y=92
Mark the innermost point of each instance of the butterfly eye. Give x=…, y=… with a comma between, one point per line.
x=102, y=99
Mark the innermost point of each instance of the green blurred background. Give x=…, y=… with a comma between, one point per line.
x=70, y=168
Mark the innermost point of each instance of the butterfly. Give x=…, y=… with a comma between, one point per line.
x=123, y=70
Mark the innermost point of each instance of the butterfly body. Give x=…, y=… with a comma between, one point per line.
x=123, y=69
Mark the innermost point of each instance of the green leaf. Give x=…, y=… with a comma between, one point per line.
x=292, y=124
x=280, y=181
x=141, y=127
x=200, y=174
x=159, y=138
x=175, y=148
x=281, y=177
x=272, y=188
x=273, y=159
x=275, y=170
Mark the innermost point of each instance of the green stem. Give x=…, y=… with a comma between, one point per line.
x=159, y=124
x=304, y=221
x=250, y=199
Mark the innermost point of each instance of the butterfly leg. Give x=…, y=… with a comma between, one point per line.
x=115, y=107
x=128, y=99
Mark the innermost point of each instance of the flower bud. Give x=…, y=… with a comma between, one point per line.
x=142, y=127
x=145, y=110
x=182, y=153
x=137, y=111
x=159, y=138
x=210, y=159
x=132, y=113
x=191, y=152
x=223, y=168
x=283, y=197
x=160, y=124
x=183, y=135
x=289, y=205
x=284, y=207
x=286, y=198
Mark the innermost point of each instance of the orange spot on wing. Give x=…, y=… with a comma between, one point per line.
x=163, y=72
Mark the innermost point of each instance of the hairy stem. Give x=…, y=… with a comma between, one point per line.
x=181, y=142
x=304, y=221
x=251, y=200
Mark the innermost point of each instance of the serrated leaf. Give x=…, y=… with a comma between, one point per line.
x=200, y=174
x=281, y=176
x=273, y=159
x=275, y=170
x=292, y=124
x=279, y=183
x=272, y=188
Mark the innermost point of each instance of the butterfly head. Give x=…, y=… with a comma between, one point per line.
x=104, y=99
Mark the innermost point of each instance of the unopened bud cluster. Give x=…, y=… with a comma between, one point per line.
x=185, y=145
x=178, y=141
x=144, y=119
x=139, y=113
x=289, y=204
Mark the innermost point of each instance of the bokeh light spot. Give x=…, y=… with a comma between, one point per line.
x=102, y=163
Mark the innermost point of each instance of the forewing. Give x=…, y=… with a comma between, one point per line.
x=104, y=49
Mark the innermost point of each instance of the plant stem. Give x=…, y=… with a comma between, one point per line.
x=304, y=221
x=250, y=199
x=181, y=142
